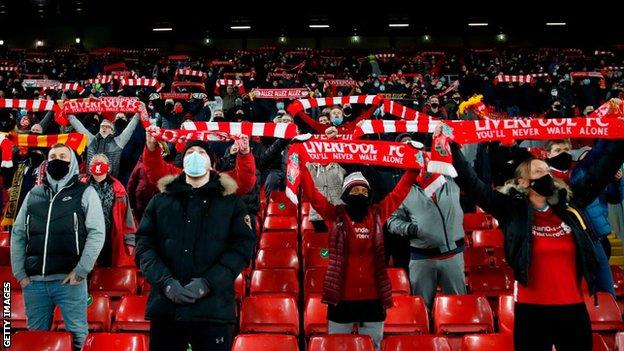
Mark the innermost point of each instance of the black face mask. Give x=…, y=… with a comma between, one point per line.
x=347, y=111
x=544, y=186
x=434, y=105
x=57, y=169
x=357, y=206
x=561, y=162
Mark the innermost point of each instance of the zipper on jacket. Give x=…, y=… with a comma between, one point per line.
x=47, y=232
x=28, y=227
x=76, y=233
x=448, y=246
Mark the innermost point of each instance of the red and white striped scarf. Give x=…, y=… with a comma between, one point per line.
x=384, y=56
x=30, y=105
x=189, y=72
x=292, y=93
x=140, y=82
x=6, y=151
x=233, y=82
x=583, y=75
x=420, y=125
x=304, y=104
x=68, y=86
x=101, y=79
x=8, y=69
x=252, y=129
x=506, y=78
x=341, y=83
x=398, y=110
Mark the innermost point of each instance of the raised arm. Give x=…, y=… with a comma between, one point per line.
x=80, y=128
x=123, y=138
x=314, y=124
x=318, y=201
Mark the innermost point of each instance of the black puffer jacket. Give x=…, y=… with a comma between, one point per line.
x=515, y=214
x=190, y=233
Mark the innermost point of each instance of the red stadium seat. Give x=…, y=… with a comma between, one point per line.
x=41, y=341
x=462, y=314
x=618, y=280
x=490, y=282
x=277, y=258
x=18, y=311
x=476, y=258
x=315, y=257
x=240, y=288
x=265, y=342
x=399, y=281
x=278, y=240
x=281, y=224
x=279, y=196
x=342, y=342
x=415, y=342
x=488, y=239
x=488, y=342
x=274, y=282
x=99, y=315
x=313, y=281
x=476, y=221
x=314, y=239
x=269, y=314
x=599, y=343
x=305, y=209
x=306, y=225
x=116, y=341
x=408, y=315
x=505, y=313
x=130, y=315
x=114, y=282
x=6, y=275
x=607, y=315
x=281, y=208
x=314, y=317
x=5, y=251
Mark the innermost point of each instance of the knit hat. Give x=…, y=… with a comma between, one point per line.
x=108, y=123
x=354, y=179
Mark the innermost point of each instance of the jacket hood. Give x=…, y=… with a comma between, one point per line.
x=219, y=182
x=73, y=172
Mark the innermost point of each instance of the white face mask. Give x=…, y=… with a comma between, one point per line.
x=195, y=164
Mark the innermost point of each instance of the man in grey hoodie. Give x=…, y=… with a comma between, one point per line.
x=56, y=238
x=432, y=218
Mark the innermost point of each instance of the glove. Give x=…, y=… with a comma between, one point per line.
x=176, y=293
x=198, y=288
x=412, y=231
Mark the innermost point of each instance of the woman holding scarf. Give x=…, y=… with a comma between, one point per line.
x=356, y=287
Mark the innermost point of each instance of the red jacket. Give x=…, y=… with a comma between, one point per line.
x=140, y=190
x=357, y=268
x=244, y=173
x=122, y=224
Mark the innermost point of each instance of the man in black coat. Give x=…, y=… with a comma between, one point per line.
x=193, y=241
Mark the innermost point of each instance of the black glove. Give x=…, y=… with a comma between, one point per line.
x=198, y=288
x=176, y=293
x=412, y=231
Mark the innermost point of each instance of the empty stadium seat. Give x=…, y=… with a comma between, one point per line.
x=116, y=341
x=278, y=240
x=607, y=315
x=114, y=282
x=490, y=282
x=314, y=239
x=488, y=342
x=281, y=224
x=269, y=314
x=18, y=311
x=282, y=208
x=407, y=315
x=505, y=313
x=315, y=257
x=478, y=258
x=314, y=317
x=424, y=342
x=41, y=341
x=476, y=221
x=265, y=342
x=6, y=275
x=284, y=258
x=274, y=281
x=488, y=239
x=462, y=314
x=313, y=281
x=130, y=315
x=399, y=281
x=99, y=315
x=342, y=342
x=5, y=251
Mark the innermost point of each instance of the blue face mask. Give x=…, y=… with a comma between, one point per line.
x=195, y=165
x=336, y=121
x=280, y=105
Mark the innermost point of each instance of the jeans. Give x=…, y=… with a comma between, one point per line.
x=41, y=297
x=372, y=329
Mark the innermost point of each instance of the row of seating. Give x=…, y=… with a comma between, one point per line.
x=62, y=341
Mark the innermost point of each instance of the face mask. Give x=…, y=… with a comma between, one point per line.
x=544, y=186
x=336, y=121
x=382, y=88
x=36, y=157
x=57, y=169
x=435, y=105
x=99, y=168
x=376, y=84
x=195, y=165
x=554, y=92
x=561, y=162
x=280, y=105
x=347, y=110
x=357, y=206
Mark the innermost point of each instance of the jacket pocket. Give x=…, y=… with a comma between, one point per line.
x=76, y=233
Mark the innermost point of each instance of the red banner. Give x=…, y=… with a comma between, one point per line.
x=294, y=93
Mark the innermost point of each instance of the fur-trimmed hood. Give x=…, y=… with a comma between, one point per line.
x=226, y=184
x=561, y=192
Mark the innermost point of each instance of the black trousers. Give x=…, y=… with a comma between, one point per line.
x=539, y=327
x=176, y=336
